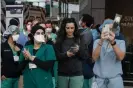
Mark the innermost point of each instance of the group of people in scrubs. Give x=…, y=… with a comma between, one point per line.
x=48, y=59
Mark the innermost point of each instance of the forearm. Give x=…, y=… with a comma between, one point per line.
x=22, y=66
x=96, y=52
x=46, y=65
x=119, y=53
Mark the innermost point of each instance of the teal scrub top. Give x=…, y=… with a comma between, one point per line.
x=37, y=76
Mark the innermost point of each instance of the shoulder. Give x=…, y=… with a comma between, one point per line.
x=97, y=40
x=86, y=33
x=89, y=33
x=27, y=46
x=3, y=44
x=54, y=34
x=119, y=41
x=47, y=46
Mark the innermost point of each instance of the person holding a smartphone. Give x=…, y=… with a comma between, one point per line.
x=70, y=73
x=108, y=53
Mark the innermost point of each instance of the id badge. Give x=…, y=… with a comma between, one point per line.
x=31, y=65
x=16, y=58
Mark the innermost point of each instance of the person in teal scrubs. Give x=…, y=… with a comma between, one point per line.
x=51, y=39
x=39, y=59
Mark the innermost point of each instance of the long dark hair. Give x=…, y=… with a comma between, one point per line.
x=61, y=35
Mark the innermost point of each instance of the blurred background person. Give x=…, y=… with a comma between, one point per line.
x=86, y=45
x=49, y=24
x=50, y=33
x=23, y=38
x=42, y=24
x=14, y=21
x=51, y=39
x=96, y=33
x=34, y=22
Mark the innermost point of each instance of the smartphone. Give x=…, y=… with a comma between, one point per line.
x=72, y=49
x=116, y=23
x=106, y=28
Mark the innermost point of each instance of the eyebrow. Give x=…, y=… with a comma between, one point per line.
x=70, y=27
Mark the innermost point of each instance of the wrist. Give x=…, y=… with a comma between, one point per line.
x=100, y=42
x=32, y=58
x=113, y=43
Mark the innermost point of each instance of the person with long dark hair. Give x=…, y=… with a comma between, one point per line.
x=67, y=50
x=40, y=59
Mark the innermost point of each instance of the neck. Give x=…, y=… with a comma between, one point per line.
x=37, y=45
x=28, y=32
x=70, y=36
x=85, y=27
x=11, y=43
x=49, y=33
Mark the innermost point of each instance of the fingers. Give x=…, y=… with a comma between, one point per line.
x=105, y=35
x=25, y=53
x=17, y=48
x=112, y=34
x=69, y=54
x=3, y=77
x=110, y=25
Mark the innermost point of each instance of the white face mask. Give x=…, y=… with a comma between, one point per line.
x=57, y=28
x=48, y=30
x=15, y=37
x=80, y=23
x=39, y=38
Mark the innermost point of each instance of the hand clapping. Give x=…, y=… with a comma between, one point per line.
x=27, y=55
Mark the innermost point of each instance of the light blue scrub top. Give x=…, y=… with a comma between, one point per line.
x=107, y=65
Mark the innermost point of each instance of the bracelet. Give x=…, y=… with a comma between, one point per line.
x=114, y=43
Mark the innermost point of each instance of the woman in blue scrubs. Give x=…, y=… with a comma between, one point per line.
x=108, y=53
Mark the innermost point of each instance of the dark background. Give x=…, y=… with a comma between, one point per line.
x=124, y=7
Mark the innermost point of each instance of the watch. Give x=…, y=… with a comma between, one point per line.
x=114, y=43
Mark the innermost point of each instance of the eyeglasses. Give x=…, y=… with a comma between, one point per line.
x=39, y=33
